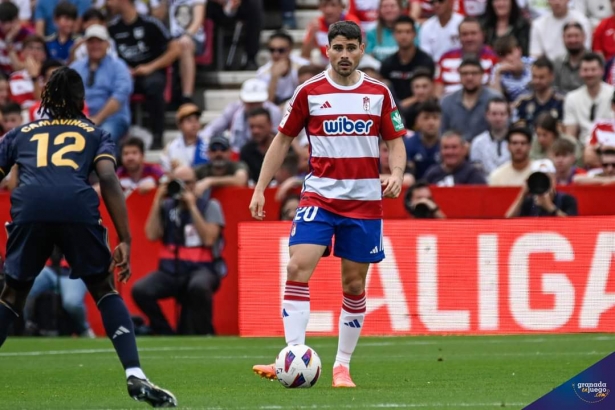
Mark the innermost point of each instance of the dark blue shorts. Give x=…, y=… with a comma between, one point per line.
x=358, y=240
x=29, y=245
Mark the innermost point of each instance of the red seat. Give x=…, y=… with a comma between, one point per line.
x=207, y=56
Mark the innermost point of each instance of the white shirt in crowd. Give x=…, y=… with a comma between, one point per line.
x=578, y=105
x=286, y=85
x=181, y=14
x=547, y=35
x=436, y=40
x=179, y=153
x=488, y=151
x=25, y=9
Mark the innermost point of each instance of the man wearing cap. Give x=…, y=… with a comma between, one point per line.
x=254, y=94
x=188, y=149
x=221, y=170
x=538, y=196
x=108, y=84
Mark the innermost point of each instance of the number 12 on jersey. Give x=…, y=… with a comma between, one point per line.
x=57, y=158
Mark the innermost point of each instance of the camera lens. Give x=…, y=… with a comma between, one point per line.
x=538, y=183
x=421, y=210
x=174, y=188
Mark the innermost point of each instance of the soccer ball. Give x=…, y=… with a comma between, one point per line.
x=297, y=366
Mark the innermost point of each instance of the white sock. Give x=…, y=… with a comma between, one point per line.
x=296, y=311
x=136, y=372
x=352, y=316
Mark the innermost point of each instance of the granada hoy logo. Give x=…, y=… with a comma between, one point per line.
x=591, y=392
x=398, y=124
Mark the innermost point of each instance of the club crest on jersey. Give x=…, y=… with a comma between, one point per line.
x=366, y=104
x=344, y=125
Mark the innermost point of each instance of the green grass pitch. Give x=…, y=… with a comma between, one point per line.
x=215, y=373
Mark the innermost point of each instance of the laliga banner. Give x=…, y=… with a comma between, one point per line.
x=453, y=276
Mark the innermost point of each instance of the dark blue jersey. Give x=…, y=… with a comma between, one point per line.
x=55, y=159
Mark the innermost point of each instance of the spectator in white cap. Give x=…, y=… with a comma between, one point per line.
x=539, y=197
x=254, y=94
x=108, y=84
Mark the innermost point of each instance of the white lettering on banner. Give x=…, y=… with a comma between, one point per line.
x=433, y=318
x=596, y=301
x=556, y=284
x=394, y=298
x=320, y=321
x=488, y=282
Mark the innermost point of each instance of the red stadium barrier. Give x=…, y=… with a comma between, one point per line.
x=458, y=202
x=449, y=277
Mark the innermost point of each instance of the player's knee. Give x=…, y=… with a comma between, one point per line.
x=296, y=273
x=100, y=286
x=353, y=286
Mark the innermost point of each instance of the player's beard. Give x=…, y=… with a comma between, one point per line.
x=345, y=71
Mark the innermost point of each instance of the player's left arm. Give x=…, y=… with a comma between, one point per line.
x=392, y=130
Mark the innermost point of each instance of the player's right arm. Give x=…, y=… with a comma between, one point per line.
x=293, y=122
x=273, y=161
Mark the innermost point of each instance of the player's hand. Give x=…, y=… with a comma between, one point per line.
x=257, y=204
x=391, y=185
x=121, y=261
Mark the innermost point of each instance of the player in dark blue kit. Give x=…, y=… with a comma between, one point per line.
x=54, y=204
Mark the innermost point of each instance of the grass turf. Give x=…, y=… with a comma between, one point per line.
x=215, y=373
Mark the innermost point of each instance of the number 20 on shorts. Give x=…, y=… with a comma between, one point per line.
x=307, y=213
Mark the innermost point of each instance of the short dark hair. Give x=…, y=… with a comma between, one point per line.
x=49, y=64
x=471, y=61
x=421, y=72
x=469, y=19
x=547, y=122
x=519, y=130
x=429, y=107
x=497, y=100
x=421, y=183
x=591, y=56
x=543, y=62
x=65, y=9
x=8, y=11
x=404, y=19
x=134, y=142
x=348, y=29
x=11, y=108
x=505, y=45
x=259, y=111
x=283, y=35
x=563, y=146
x=92, y=14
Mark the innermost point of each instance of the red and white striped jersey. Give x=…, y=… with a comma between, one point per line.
x=21, y=87
x=603, y=133
x=343, y=125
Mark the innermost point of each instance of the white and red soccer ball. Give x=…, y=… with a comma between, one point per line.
x=298, y=366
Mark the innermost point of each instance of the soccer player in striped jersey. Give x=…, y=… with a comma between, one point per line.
x=344, y=113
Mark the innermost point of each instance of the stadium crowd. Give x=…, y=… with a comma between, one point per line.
x=490, y=92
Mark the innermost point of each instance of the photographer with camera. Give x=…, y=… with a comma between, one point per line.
x=538, y=196
x=420, y=204
x=190, y=264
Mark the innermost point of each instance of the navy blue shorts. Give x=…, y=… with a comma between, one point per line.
x=29, y=245
x=358, y=240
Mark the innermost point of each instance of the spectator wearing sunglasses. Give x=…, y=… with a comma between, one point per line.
x=605, y=174
x=108, y=84
x=590, y=102
x=281, y=72
x=221, y=170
